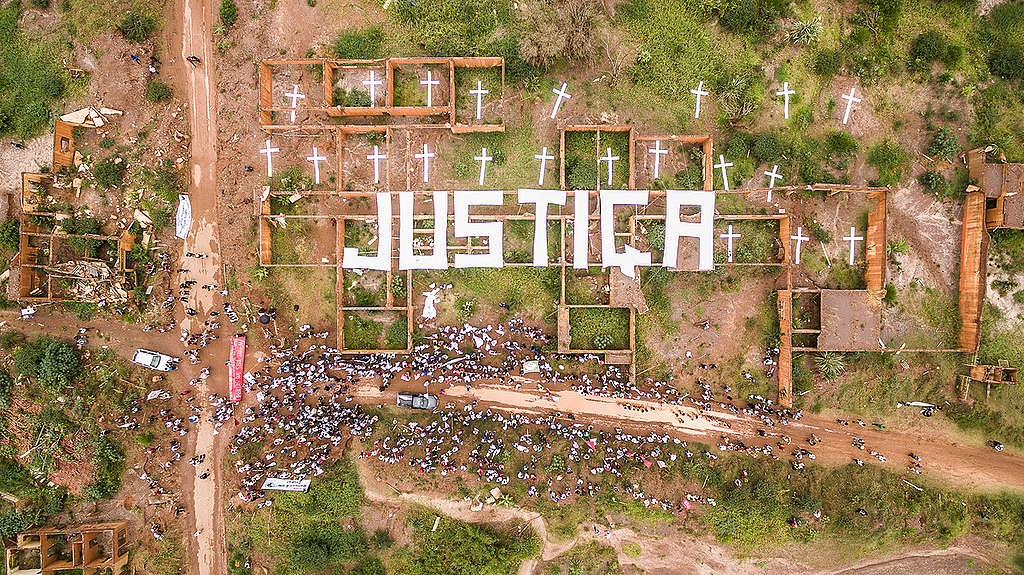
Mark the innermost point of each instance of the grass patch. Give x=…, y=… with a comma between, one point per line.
x=599, y=328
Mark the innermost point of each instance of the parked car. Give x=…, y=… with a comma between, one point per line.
x=155, y=360
x=417, y=401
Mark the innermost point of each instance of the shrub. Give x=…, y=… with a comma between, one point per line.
x=756, y=16
x=928, y=47
x=945, y=146
x=1007, y=62
x=9, y=238
x=109, y=172
x=890, y=159
x=228, y=12
x=767, y=147
x=320, y=545
x=359, y=44
x=831, y=365
x=6, y=388
x=840, y=144
x=109, y=461
x=137, y=27
x=827, y=63
x=32, y=77
x=59, y=365
x=157, y=91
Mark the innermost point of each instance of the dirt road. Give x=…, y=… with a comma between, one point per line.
x=944, y=458
x=208, y=543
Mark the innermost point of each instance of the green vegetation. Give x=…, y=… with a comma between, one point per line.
x=365, y=44
x=10, y=239
x=459, y=548
x=890, y=159
x=137, y=27
x=228, y=12
x=32, y=80
x=52, y=362
x=84, y=225
x=599, y=328
x=157, y=91
x=109, y=172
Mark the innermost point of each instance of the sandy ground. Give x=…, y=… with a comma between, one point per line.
x=38, y=152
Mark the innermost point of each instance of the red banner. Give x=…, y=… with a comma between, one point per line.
x=236, y=367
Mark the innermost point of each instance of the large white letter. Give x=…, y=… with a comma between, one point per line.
x=540, y=223
x=494, y=258
x=704, y=230
x=382, y=261
x=435, y=261
x=581, y=229
x=630, y=257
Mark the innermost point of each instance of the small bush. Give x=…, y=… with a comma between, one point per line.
x=228, y=12
x=1007, y=62
x=9, y=238
x=928, y=47
x=359, y=45
x=839, y=144
x=767, y=147
x=945, y=146
x=827, y=63
x=109, y=172
x=137, y=27
x=890, y=158
x=157, y=91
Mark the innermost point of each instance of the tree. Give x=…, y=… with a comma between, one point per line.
x=228, y=12
x=9, y=238
x=59, y=365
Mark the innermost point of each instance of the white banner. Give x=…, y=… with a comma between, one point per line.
x=183, y=220
x=286, y=484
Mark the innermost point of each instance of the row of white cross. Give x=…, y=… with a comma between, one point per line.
x=560, y=94
x=799, y=238
x=426, y=155
x=294, y=96
x=785, y=92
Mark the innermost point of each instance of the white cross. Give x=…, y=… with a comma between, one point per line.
x=658, y=153
x=425, y=156
x=611, y=160
x=479, y=93
x=729, y=237
x=376, y=157
x=772, y=175
x=853, y=238
x=316, y=158
x=430, y=82
x=850, y=100
x=483, y=158
x=800, y=239
x=543, y=156
x=700, y=91
x=295, y=96
x=725, y=175
x=269, y=151
x=558, y=101
x=785, y=93
x=373, y=83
